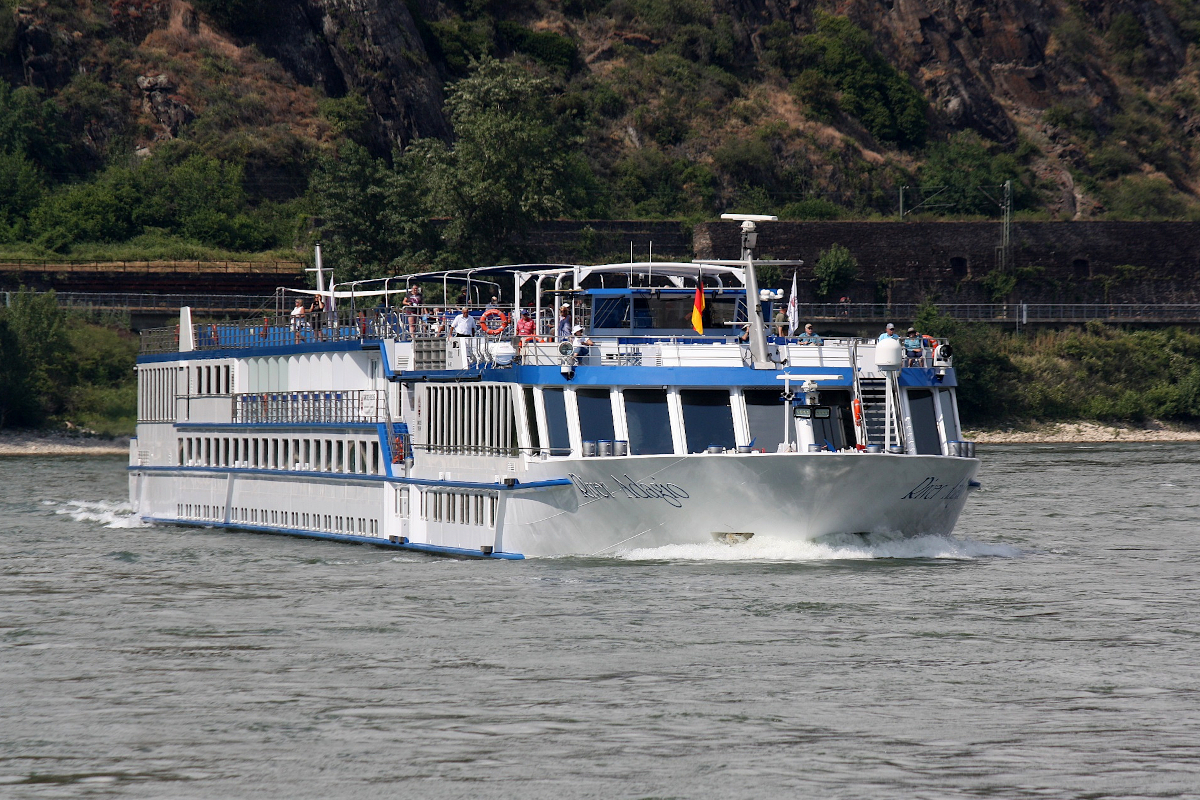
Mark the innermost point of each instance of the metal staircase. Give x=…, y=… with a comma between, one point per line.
x=873, y=394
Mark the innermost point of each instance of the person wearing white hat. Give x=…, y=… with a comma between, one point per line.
x=564, y=323
x=579, y=342
x=889, y=332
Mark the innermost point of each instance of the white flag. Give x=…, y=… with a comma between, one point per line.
x=793, y=312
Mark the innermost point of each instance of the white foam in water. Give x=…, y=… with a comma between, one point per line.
x=111, y=515
x=833, y=549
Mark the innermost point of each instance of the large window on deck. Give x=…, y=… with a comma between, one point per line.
x=707, y=419
x=556, y=422
x=610, y=312
x=924, y=422
x=649, y=421
x=765, y=413
x=595, y=414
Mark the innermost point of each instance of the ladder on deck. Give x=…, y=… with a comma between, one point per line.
x=872, y=392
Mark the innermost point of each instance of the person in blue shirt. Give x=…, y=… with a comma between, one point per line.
x=564, y=322
x=808, y=337
x=889, y=333
x=913, y=347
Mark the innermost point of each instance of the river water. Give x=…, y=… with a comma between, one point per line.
x=1049, y=650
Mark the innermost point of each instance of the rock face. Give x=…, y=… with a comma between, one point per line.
x=161, y=101
x=369, y=46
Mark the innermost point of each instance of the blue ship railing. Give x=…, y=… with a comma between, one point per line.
x=332, y=407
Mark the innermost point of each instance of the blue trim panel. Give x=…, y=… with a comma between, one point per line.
x=283, y=473
x=340, y=537
x=927, y=376
x=638, y=376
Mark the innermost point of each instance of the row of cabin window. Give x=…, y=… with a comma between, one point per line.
x=353, y=456
x=473, y=420
x=213, y=379
x=299, y=520
x=156, y=394
x=464, y=508
x=707, y=416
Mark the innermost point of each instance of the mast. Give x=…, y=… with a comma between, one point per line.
x=758, y=334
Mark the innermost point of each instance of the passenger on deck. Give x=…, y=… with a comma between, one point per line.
x=808, y=337
x=913, y=351
x=464, y=324
x=889, y=333
x=437, y=322
x=317, y=310
x=564, y=322
x=781, y=321
x=493, y=303
x=525, y=325
x=579, y=342
x=411, y=306
x=298, y=313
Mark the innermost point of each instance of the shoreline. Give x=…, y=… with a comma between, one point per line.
x=59, y=444
x=1084, y=431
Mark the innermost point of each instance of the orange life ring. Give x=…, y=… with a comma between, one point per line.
x=857, y=405
x=493, y=314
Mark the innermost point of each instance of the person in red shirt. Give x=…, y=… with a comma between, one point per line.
x=525, y=326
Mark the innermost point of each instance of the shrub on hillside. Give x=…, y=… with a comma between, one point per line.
x=835, y=269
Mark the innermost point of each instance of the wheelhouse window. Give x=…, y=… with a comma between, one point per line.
x=610, y=312
x=949, y=422
x=556, y=422
x=924, y=422
x=649, y=421
x=535, y=443
x=707, y=419
x=595, y=414
x=765, y=413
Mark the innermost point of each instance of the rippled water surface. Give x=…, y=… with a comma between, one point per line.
x=1049, y=650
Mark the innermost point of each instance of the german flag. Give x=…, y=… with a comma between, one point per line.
x=698, y=308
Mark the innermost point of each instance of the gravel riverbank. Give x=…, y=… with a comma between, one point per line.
x=34, y=444
x=54, y=444
x=1083, y=431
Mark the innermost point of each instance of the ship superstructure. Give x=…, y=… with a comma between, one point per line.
x=372, y=422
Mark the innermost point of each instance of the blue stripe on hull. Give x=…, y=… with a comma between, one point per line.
x=357, y=477
x=433, y=549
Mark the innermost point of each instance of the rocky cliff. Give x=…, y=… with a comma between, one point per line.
x=683, y=106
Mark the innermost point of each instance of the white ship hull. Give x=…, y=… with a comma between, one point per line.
x=623, y=503
x=605, y=505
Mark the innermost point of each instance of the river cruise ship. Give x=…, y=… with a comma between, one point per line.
x=624, y=409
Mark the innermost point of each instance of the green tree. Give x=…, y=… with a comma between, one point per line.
x=505, y=169
x=871, y=89
x=987, y=377
x=375, y=217
x=41, y=368
x=21, y=189
x=971, y=175
x=834, y=270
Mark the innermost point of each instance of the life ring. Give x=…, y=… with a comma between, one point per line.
x=857, y=405
x=493, y=314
